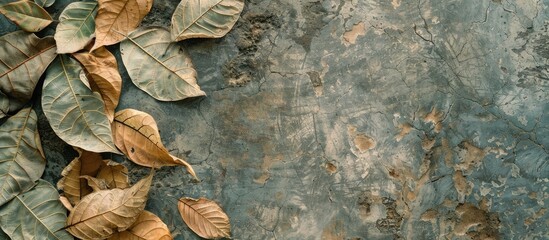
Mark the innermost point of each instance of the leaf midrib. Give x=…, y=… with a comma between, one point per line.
x=199, y=17
x=36, y=217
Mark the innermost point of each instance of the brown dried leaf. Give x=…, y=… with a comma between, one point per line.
x=28, y=15
x=102, y=71
x=114, y=174
x=136, y=135
x=147, y=227
x=116, y=18
x=103, y=213
x=96, y=184
x=73, y=186
x=205, y=217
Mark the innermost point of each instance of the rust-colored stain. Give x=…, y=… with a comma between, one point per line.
x=462, y=186
x=405, y=128
x=334, y=231
x=473, y=157
x=435, y=117
x=350, y=36
x=331, y=168
x=363, y=142
x=476, y=223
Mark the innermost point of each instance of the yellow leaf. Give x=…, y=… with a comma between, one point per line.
x=75, y=188
x=136, y=135
x=103, y=213
x=114, y=174
x=102, y=70
x=147, y=227
x=116, y=18
x=205, y=217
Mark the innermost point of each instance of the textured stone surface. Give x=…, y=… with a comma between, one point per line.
x=360, y=119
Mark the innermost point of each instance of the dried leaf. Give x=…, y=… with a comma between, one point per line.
x=116, y=18
x=147, y=227
x=76, y=26
x=23, y=59
x=114, y=174
x=205, y=217
x=75, y=113
x=73, y=186
x=159, y=66
x=136, y=135
x=36, y=214
x=96, y=184
x=66, y=203
x=21, y=158
x=204, y=18
x=4, y=105
x=44, y=3
x=103, y=213
x=102, y=71
x=28, y=15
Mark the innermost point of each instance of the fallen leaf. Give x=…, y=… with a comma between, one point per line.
x=4, y=105
x=204, y=18
x=116, y=18
x=36, y=214
x=44, y=3
x=96, y=184
x=147, y=227
x=66, y=203
x=76, y=26
x=159, y=66
x=114, y=174
x=28, y=15
x=136, y=135
x=102, y=71
x=75, y=188
x=19, y=52
x=75, y=113
x=205, y=218
x=103, y=213
x=21, y=156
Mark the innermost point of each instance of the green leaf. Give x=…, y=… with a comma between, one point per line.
x=4, y=106
x=44, y=3
x=204, y=18
x=76, y=114
x=23, y=59
x=159, y=66
x=21, y=158
x=28, y=15
x=76, y=26
x=36, y=214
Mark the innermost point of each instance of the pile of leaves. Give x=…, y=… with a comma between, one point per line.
x=80, y=93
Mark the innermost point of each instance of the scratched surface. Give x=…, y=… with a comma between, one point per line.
x=360, y=119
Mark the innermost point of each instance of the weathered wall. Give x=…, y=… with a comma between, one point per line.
x=361, y=119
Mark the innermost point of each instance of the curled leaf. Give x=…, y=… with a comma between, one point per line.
x=75, y=113
x=28, y=15
x=21, y=157
x=136, y=135
x=36, y=214
x=114, y=174
x=147, y=227
x=102, y=70
x=116, y=18
x=204, y=18
x=19, y=52
x=159, y=66
x=96, y=184
x=75, y=188
x=76, y=26
x=205, y=217
x=103, y=213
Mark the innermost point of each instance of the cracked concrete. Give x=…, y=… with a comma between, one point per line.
x=335, y=119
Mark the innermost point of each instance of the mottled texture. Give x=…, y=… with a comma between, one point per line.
x=361, y=120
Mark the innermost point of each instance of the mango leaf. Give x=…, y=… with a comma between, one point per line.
x=103, y=213
x=44, y=3
x=136, y=135
x=102, y=71
x=114, y=174
x=205, y=217
x=75, y=113
x=23, y=59
x=159, y=66
x=116, y=18
x=28, y=15
x=76, y=26
x=147, y=227
x=204, y=18
x=75, y=188
x=21, y=157
x=36, y=214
